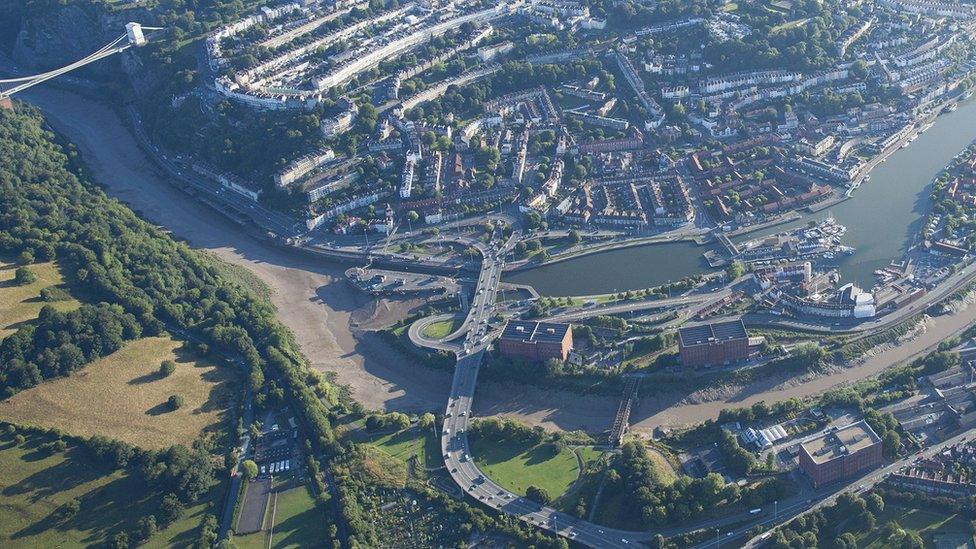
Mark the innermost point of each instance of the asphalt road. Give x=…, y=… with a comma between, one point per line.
x=454, y=437
x=827, y=496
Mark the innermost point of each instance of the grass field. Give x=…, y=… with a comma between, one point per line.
x=34, y=484
x=19, y=304
x=924, y=523
x=437, y=330
x=516, y=466
x=588, y=454
x=122, y=396
x=298, y=522
x=789, y=25
x=612, y=504
x=239, y=275
x=664, y=470
x=405, y=444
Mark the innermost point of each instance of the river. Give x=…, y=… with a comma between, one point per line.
x=882, y=220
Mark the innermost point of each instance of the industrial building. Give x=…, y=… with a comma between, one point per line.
x=536, y=340
x=840, y=454
x=714, y=343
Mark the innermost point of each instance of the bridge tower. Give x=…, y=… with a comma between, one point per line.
x=133, y=31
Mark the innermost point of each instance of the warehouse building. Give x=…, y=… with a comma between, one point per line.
x=840, y=454
x=714, y=343
x=536, y=340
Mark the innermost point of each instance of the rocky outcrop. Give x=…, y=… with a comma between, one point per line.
x=58, y=36
x=62, y=33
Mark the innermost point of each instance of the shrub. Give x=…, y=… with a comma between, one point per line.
x=24, y=276
x=166, y=368
x=53, y=293
x=175, y=402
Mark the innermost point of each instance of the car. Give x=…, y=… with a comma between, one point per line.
x=463, y=413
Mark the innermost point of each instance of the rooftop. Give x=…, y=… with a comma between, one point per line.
x=716, y=331
x=846, y=440
x=537, y=332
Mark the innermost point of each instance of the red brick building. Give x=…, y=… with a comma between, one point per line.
x=840, y=454
x=714, y=343
x=536, y=340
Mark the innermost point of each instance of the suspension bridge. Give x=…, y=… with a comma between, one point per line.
x=134, y=36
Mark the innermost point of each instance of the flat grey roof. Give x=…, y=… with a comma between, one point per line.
x=715, y=331
x=846, y=440
x=544, y=332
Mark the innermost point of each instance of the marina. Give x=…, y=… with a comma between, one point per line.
x=820, y=240
x=882, y=219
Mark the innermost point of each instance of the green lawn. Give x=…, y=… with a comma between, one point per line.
x=298, y=522
x=34, y=484
x=19, y=304
x=406, y=444
x=589, y=454
x=924, y=523
x=516, y=466
x=789, y=25
x=437, y=330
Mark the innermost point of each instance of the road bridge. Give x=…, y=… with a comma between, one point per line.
x=454, y=437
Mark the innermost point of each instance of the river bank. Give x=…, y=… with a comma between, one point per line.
x=555, y=409
x=883, y=217
x=320, y=308
x=311, y=297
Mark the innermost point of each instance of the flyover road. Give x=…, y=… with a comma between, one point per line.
x=416, y=333
x=457, y=452
x=454, y=437
x=457, y=459
x=630, y=307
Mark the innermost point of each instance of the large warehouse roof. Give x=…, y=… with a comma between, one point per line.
x=709, y=333
x=539, y=332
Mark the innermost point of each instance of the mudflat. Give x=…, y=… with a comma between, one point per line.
x=310, y=294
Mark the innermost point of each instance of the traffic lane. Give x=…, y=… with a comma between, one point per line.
x=876, y=476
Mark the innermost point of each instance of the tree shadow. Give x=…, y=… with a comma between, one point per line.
x=540, y=454
x=146, y=378
x=59, y=477
x=11, y=283
x=159, y=409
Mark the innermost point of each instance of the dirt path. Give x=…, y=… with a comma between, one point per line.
x=311, y=297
